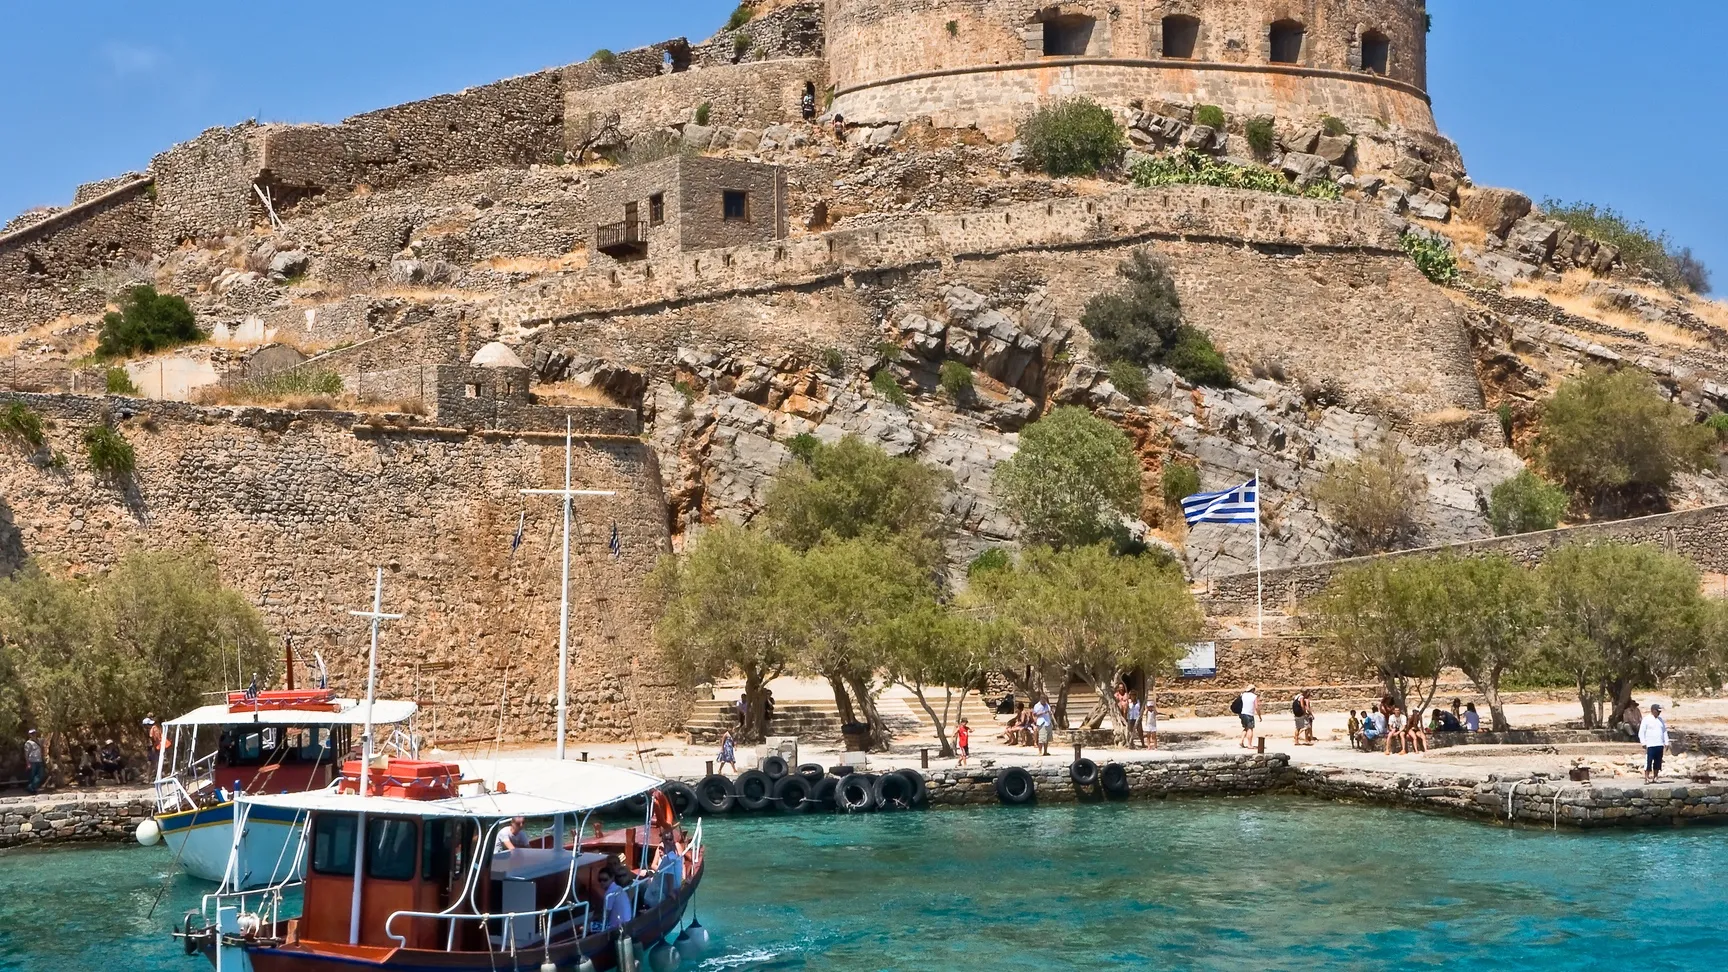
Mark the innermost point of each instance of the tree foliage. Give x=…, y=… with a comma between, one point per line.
x=1611, y=438
x=1484, y=616
x=1074, y=137
x=1374, y=615
x=1526, y=503
x=1072, y=482
x=852, y=489
x=1142, y=324
x=147, y=322
x=1372, y=500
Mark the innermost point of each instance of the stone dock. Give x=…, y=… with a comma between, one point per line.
x=83, y=818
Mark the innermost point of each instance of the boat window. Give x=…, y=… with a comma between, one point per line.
x=333, y=844
x=241, y=747
x=390, y=848
x=313, y=745
x=445, y=850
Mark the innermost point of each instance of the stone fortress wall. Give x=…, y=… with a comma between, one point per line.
x=988, y=62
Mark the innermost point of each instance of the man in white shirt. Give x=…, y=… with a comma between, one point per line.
x=1045, y=721
x=1250, y=715
x=1653, y=736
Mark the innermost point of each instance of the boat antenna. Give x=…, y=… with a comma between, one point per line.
x=566, y=496
x=377, y=617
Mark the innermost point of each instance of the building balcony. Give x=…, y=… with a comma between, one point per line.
x=622, y=240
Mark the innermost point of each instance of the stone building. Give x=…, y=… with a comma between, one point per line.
x=687, y=202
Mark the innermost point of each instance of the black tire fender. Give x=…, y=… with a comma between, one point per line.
x=794, y=794
x=842, y=770
x=1114, y=778
x=1084, y=773
x=773, y=765
x=1014, y=786
x=855, y=793
x=812, y=772
x=920, y=789
x=636, y=805
x=683, y=797
x=893, y=791
x=717, y=794
x=755, y=790
x=824, y=793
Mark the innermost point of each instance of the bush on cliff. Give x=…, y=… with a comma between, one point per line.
x=1639, y=247
x=118, y=381
x=1433, y=256
x=1073, y=481
x=1372, y=500
x=108, y=453
x=1075, y=137
x=1142, y=325
x=741, y=16
x=1526, y=503
x=1211, y=116
x=147, y=322
x=1191, y=168
x=23, y=426
x=1615, y=442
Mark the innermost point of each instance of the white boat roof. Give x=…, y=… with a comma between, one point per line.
x=535, y=788
x=352, y=713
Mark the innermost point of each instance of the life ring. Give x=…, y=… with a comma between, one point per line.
x=1084, y=773
x=794, y=794
x=716, y=794
x=893, y=791
x=1114, y=777
x=755, y=790
x=855, y=793
x=920, y=789
x=681, y=797
x=774, y=765
x=1014, y=786
x=812, y=772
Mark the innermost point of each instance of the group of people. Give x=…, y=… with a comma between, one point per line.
x=613, y=879
x=1387, y=724
x=94, y=762
x=1140, y=715
x=1029, y=727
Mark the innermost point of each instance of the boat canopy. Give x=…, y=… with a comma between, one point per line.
x=349, y=712
x=536, y=788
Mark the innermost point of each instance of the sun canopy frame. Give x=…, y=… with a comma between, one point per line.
x=386, y=712
x=536, y=788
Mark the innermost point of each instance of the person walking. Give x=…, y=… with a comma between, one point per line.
x=1149, y=722
x=1134, y=739
x=728, y=755
x=34, y=763
x=1303, y=711
x=962, y=741
x=1653, y=736
x=1248, y=708
x=1045, y=721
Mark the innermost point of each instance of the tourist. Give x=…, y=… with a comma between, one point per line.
x=1303, y=710
x=34, y=763
x=87, y=766
x=1446, y=722
x=616, y=901
x=728, y=754
x=158, y=742
x=1011, y=729
x=1045, y=721
x=767, y=709
x=1247, y=707
x=1122, y=702
x=668, y=872
x=807, y=104
x=1149, y=722
x=1134, y=707
x=1415, y=739
x=1006, y=705
x=840, y=128
x=1472, y=721
x=511, y=837
x=1395, y=730
x=1373, y=728
x=110, y=762
x=962, y=741
x=1354, y=728
x=1653, y=736
x=741, y=709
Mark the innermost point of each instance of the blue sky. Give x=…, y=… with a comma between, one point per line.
x=1542, y=95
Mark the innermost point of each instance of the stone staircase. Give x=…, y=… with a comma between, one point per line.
x=807, y=718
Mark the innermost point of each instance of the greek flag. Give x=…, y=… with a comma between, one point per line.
x=615, y=545
x=252, y=691
x=1239, y=505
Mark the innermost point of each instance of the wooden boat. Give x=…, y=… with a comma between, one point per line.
x=268, y=742
x=404, y=872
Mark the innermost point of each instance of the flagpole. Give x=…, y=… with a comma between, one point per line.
x=1259, y=583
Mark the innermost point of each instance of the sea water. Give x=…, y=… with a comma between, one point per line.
x=1267, y=883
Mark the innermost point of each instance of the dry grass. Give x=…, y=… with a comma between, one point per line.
x=1568, y=294
x=570, y=393
x=1714, y=312
x=574, y=260
x=1447, y=416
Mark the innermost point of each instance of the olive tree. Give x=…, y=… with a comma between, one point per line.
x=934, y=649
x=1612, y=438
x=1375, y=618
x=1485, y=615
x=1073, y=481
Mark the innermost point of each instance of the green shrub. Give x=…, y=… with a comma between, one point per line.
x=1526, y=503
x=1372, y=500
x=651, y=147
x=885, y=386
x=803, y=446
x=704, y=111
x=603, y=57
x=1615, y=441
x=119, y=382
x=741, y=46
x=1191, y=168
x=1639, y=247
x=990, y=560
x=1195, y=358
x=956, y=380
x=108, y=452
x=1129, y=379
x=1211, y=116
x=741, y=16
x=298, y=381
x=1180, y=481
x=953, y=28
x=888, y=350
x=684, y=388
x=1072, y=137
x=833, y=361
x=146, y=322
x=1261, y=135
x=1433, y=257
x=20, y=423
x=1333, y=126
x=1718, y=423
x=1504, y=413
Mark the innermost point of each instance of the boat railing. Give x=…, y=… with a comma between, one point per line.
x=545, y=922
x=265, y=903
x=172, y=793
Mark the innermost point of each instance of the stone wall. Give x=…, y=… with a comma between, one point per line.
x=298, y=508
x=44, y=264
x=1699, y=535
x=984, y=59
x=32, y=820
x=204, y=186
x=1208, y=776
x=753, y=94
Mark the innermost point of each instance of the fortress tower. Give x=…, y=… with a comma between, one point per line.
x=988, y=62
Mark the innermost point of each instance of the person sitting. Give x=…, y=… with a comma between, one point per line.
x=1445, y=721
x=616, y=907
x=110, y=762
x=1355, y=729
x=668, y=874
x=1395, y=730
x=1472, y=721
x=1006, y=705
x=1011, y=731
x=1415, y=739
x=87, y=767
x=511, y=837
x=1373, y=729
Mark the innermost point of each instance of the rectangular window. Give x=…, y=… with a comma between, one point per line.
x=333, y=844
x=735, y=205
x=656, y=209
x=391, y=846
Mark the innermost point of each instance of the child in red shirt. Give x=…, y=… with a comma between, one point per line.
x=963, y=741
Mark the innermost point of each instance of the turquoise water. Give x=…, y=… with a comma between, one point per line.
x=1228, y=885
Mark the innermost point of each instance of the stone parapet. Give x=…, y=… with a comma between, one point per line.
x=91, y=819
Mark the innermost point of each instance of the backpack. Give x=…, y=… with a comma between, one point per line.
x=1236, y=705
x=1296, y=706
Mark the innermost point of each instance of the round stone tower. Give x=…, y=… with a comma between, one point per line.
x=989, y=62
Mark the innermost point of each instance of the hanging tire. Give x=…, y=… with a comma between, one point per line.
x=893, y=792
x=812, y=772
x=1084, y=773
x=842, y=770
x=1114, y=778
x=716, y=794
x=683, y=797
x=774, y=766
x=1014, y=786
x=635, y=806
x=824, y=793
x=920, y=789
x=855, y=793
x=755, y=790
x=794, y=794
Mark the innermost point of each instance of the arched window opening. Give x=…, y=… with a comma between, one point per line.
x=1376, y=52
x=1067, y=36
x=1287, y=42
x=1181, y=36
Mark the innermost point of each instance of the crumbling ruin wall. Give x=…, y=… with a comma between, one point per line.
x=752, y=94
x=44, y=263
x=204, y=186
x=298, y=508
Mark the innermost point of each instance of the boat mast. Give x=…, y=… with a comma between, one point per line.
x=566, y=498
x=376, y=616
